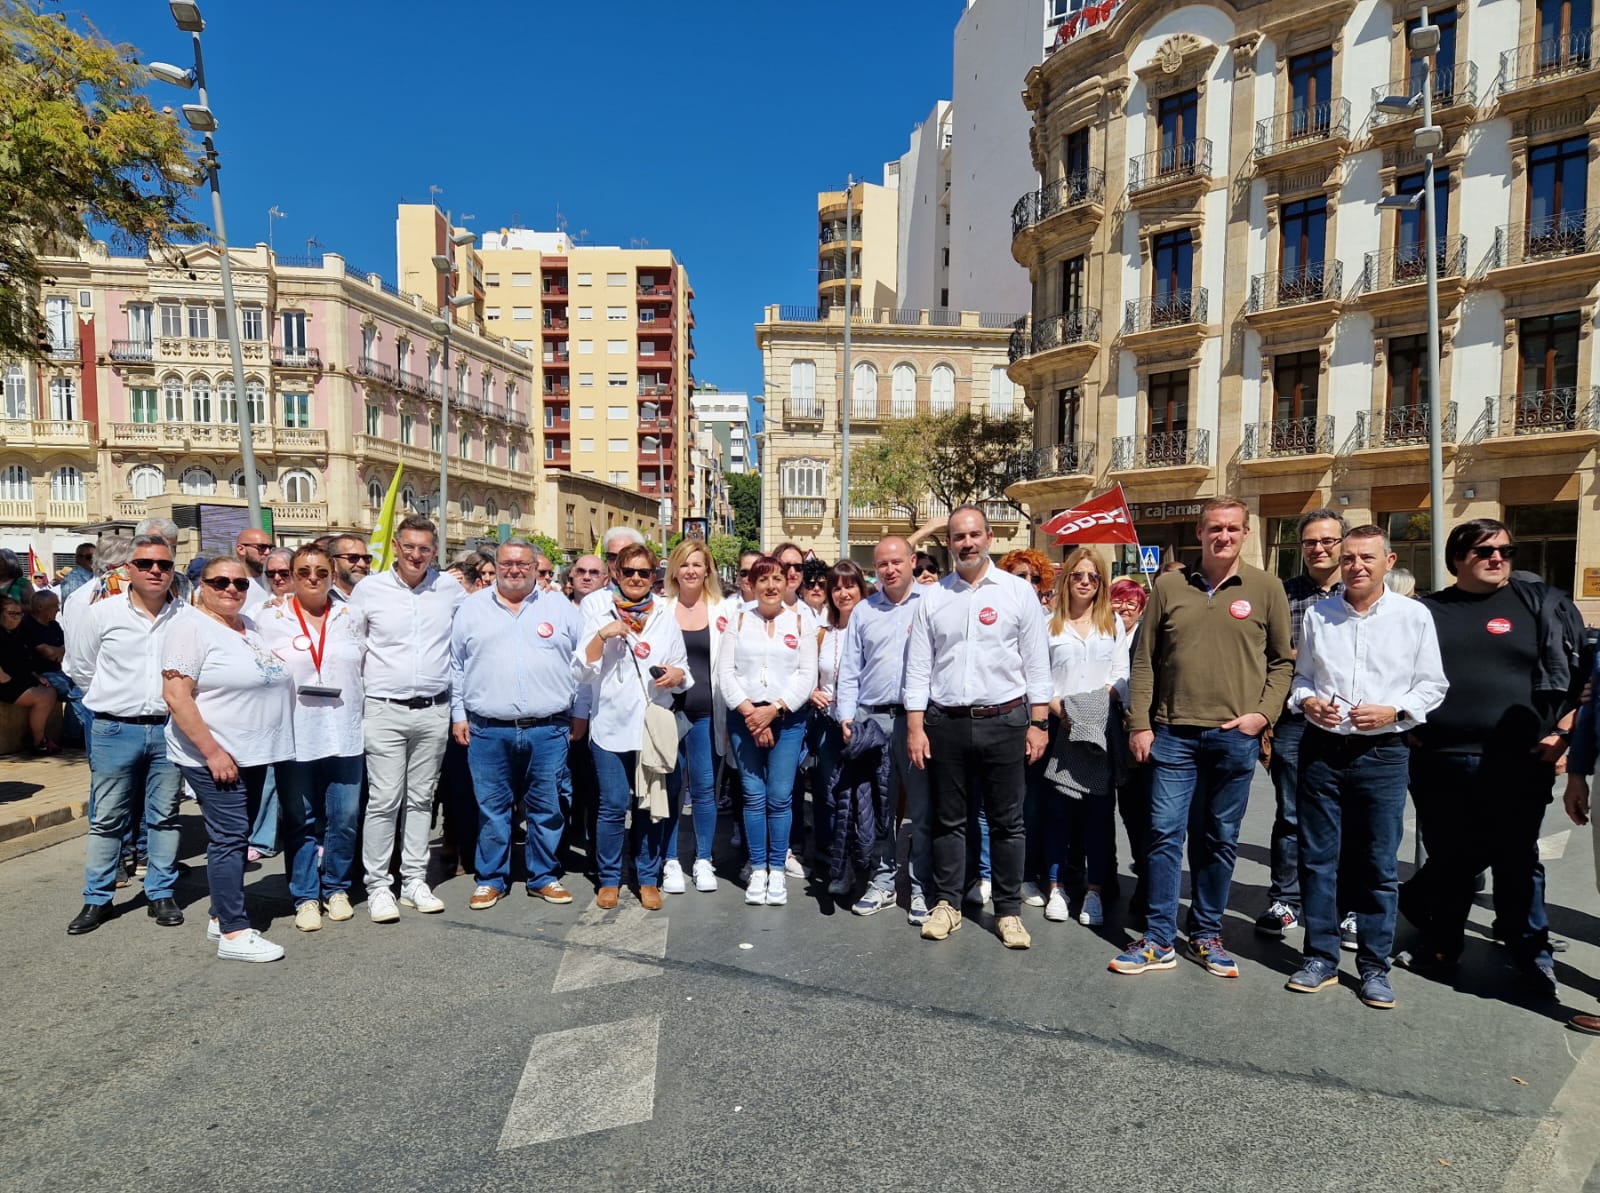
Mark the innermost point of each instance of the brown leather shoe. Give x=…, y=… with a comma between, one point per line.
x=554, y=893
x=1589, y=1025
x=606, y=899
x=650, y=898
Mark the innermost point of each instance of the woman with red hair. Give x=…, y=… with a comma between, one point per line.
x=1033, y=567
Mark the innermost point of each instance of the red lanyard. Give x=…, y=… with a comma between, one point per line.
x=322, y=638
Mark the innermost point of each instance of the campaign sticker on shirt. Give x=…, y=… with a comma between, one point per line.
x=722, y=625
x=987, y=616
x=1239, y=610
x=791, y=642
x=301, y=642
x=546, y=629
x=1498, y=625
x=642, y=650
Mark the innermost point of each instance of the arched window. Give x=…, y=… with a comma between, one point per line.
x=63, y=398
x=255, y=394
x=803, y=389
x=172, y=400
x=197, y=482
x=491, y=449
x=514, y=513
x=408, y=499
x=16, y=392
x=237, y=484
x=66, y=484
x=491, y=509
x=16, y=483
x=376, y=492
x=1002, y=400
x=200, y=408
x=146, y=481
x=903, y=387
x=511, y=457
x=226, y=402
x=942, y=390
x=864, y=392
x=298, y=485
x=466, y=505
x=804, y=477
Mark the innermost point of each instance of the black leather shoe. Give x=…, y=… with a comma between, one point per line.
x=166, y=912
x=90, y=918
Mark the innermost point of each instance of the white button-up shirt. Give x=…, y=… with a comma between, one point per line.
x=114, y=655
x=978, y=644
x=619, y=680
x=1388, y=655
x=768, y=668
x=1088, y=664
x=407, y=632
x=872, y=663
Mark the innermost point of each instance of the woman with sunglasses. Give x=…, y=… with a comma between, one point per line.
x=926, y=569
x=279, y=571
x=631, y=652
x=814, y=589
x=232, y=706
x=694, y=598
x=846, y=587
x=766, y=675
x=1033, y=567
x=320, y=642
x=19, y=680
x=1089, y=671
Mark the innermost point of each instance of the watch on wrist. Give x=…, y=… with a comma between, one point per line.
x=1045, y=725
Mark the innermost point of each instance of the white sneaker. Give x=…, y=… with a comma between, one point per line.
x=1032, y=895
x=777, y=891
x=252, y=946
x=1093, y=912
x=420, y=896
x=213, y=931
x=339, y=908
x=308, y=916
x=793, y=868
x=1056, y=910
x=705, y=878
x=978, y=893
x=381, y=906
x=918, y=913
x=672, y=878
x=755, y=890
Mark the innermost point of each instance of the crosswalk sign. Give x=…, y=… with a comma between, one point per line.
x=1149, y=560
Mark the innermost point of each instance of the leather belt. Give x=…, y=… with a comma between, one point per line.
x=979, y=712
x=415, y=702
x=152, y=719
x=517, y=722
x=893, y=710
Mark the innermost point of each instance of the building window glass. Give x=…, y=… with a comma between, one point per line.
x=374, y=420
x=1311, y=92
x=143, y=406
x=1001, y=403
x=1302, y=239
x=1558, y=190
x=942, y=390
x=172, y=320
x=804, y=478
x=1411, y=534
x=16, y=392
x=199, y=323
x=66, y=484
x=903, y=391
x=1295, y=378
x=198, y=482
x=1169, y=419
x=63, y=398
x=1172, y=274
x=200, y=400
x=1408, y=371
x=298, y=485
x=16, y=483
x=297, y=410
x=1177, y=124
x=146, y=481
x=407, y=423
x=1069, y=404
x=803, y=387
x=252, y=324
x=864, y=391
x=1547, y=541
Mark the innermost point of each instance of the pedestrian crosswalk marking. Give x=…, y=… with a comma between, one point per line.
x=605, y=948
x=1555, y=845
x=618, y=1064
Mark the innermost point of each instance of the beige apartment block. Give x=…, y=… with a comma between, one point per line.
x=1219, y=305
x=902, y=364
x=872, y=236
x=583, y=508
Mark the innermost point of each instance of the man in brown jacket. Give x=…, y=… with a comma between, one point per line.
x=1211, y=671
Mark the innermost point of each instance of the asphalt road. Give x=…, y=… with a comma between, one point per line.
x=531, y=1047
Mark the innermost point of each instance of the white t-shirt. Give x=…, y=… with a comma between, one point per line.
x=324, y=726
x=243, y=691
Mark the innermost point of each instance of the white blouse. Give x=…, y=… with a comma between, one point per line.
x=324, y=726
x=618, y=680
x=762, y=667
x=829, y=654
x=1084, y=664
x=242, y=689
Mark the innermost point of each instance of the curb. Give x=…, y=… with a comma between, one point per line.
x=25, y=825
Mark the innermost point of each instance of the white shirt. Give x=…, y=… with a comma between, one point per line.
x=407, y=633
x=1088, y=664
x=830, y=656
x=242, y=689
x=260, y=593
x=762, y=667
x=1388, y=655
x=872, y=663
x=114, y=655
x=978, y=644
x=619, y=679
x=324, y=726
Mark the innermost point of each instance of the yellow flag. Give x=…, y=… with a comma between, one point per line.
x=382, y=542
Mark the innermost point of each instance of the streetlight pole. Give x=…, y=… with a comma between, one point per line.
x=848, y=382
x=445, y=263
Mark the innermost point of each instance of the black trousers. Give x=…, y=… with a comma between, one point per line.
x=984, y=759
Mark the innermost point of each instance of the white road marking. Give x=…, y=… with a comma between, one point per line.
x=1554, y=845
x=618, y=1064
x=1565, y=1147
x=593, y=943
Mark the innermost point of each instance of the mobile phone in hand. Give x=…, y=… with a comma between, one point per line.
x=657, y=672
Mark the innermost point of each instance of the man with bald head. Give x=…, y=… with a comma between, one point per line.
x=252, y=547
x=588, y=573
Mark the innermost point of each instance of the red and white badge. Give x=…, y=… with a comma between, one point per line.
x=1239, y=610
x=988, y=616
x=791, y=642
x=1498, y=625
x=722, y=625
x=642, y=650
x=546, y=629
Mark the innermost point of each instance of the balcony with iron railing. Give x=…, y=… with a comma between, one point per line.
x=1185, y=452
x=1170, y=309
x=1313, y=129
x=296, y=358
x=1546, y=61
x=1171, y=164
x=62, y=348
x=1055, y=460
x=1452, y=86
x=1542, y=421
x=1084, y=190
x=553, y=290
x=137, y=350
x=1551, y=238
x=376, y=370
x=1288, y=444
x=1315, y=281
x=1068, y=329
x=553, y=325
x=1408, y=264
x=659, y=291
x=1402, y=430
x=801, y=410
x=554, y=388
x=413, y=382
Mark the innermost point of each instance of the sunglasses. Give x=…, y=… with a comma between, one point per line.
x=145, y=565
x=222, y=584
x=310, y=574
x=256, y=546
x=817, y=584
x=1507, y=552
x=794, y=567
x=1085, y=578
x=637, y=573
x=546, y=572
x=587, y=572
x=1032, y=578
x=929, y=572
x=353, y=557
x=744, y=573
x=282, y=573
x=611, y=557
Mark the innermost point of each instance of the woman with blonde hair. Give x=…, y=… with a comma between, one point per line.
x=1089, y=674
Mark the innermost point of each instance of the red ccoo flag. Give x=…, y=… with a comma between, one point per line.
x=1102, y=520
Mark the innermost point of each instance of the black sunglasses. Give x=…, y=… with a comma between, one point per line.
x=546, y=572
x=637, y=573
x=308, y=574
x=744, y=573
x=281, y=573
x=353, y=557
x=926, y=572
x=144, y=565
x=222, y=584
x=586, y=572
x=1507, y=552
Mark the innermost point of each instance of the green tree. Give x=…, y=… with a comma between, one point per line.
x=724, y=549
x=952, y=459
x=744, y=495
x=548, y=547
x=81, y=153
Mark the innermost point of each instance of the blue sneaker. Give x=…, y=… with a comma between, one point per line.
x=1144, y=954
x=1316, y=974
x=1376, y=991
x=1208, y=951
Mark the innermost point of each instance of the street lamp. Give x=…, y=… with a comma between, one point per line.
x=203, y=120
x=441, y=325
x=848, y=386
x=1427, y=140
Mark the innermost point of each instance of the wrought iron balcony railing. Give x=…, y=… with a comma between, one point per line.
x=1561, y=234
x=1084, y=186
x=804, y=509
x=1538, y=61
x=1058, y=459
x=1171, y=309
x=1451, y=85
x=1544, y=412
x=376, y=369
x=415, y=382
x=1401, y=426
x=1408, y=264
x=132, y=350
x=802, y=410
x=835, y=273
x=1316, y=281
x=1161, y=449
x=1070, y=327
x=296, y=358
x=1170, y=163
x=63, y=349
x=1318, y=122
x=1306, y=436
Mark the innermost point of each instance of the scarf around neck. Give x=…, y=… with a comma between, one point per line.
x=633, y=613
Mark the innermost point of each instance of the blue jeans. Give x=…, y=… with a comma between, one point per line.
x=229, y=812
x=1352, y=813
x=919, y=812
x=767, y=775
x=264, y=831
x=1286, y=737
x=615, y=772
x=321, y=803
x=698, y=761
x=507, y=765
x=128, y=766
x=1206, y=773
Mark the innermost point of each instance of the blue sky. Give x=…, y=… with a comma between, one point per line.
x=705, y=127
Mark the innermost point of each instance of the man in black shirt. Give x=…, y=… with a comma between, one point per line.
x=1483, y=766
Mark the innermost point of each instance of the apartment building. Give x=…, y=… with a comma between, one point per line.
x=726, y=415
x=1219, y=304
x=869, y=228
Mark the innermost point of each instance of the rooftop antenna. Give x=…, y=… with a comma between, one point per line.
x=433, y=193
x=273, y=213
x=313, y=244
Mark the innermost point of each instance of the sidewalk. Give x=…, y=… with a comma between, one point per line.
x=42, y=793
